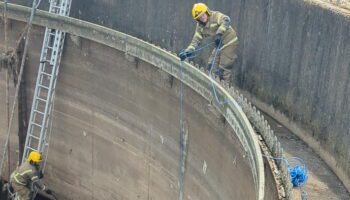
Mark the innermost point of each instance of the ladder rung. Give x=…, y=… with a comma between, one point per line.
x=47, y=74
x=35, y=137
x=38, y=98
x=52, y=32
x=43, y=86
x=54, y=6
x=37, y=111
x=28, y=147
x=37, y=124
x=48, y=61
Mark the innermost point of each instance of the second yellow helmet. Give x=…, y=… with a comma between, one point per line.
x=199, y=9
x=35, y=157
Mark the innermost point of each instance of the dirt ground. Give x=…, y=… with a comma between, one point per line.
x=322, y=183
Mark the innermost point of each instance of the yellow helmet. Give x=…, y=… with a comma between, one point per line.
x=199, y=9
x=35, y=157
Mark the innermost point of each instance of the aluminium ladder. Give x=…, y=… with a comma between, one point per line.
x=50, y=58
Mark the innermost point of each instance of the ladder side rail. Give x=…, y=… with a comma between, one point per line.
x=37, y=91
x=64, y=7
x=55, y=76
x=57, y=51
x=60, y=45
x=61, y=8
x=34, y=107
x=53, y=6
x=49, y=93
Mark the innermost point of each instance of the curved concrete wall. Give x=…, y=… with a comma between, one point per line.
x=303, y=64
x=165, y=23
x=91, y=114
x=301, y=57
x=293, y=63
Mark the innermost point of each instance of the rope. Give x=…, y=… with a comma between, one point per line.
x=38, y=4
x=212, y=80
x=183, y=133
x=297, y=171
x=7, y=85
x=5, y=24
x=19, y=82
x=200, y=49
x=183, y=139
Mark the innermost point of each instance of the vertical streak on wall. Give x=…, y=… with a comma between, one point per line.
x=7, y=84
x=183, y=156
x=22, y=106
x=149, y=151
x=183, y=140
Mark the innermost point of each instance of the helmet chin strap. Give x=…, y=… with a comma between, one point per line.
x=202, y=23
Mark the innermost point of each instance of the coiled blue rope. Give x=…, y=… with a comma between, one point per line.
x=297, y=169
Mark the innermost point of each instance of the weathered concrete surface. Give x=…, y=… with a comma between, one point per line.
x=4, y=120
x=115, y=132
x=125, y=117
x=169, y=63
x=112, y=106
x=289, y=58
x=165, y=23
x=302, y=63
x=322, y=182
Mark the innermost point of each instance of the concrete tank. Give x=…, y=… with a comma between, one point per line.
x=116, y=122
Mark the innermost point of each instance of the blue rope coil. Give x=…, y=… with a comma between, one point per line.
x=298, y=172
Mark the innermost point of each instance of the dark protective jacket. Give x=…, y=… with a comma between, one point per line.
x=218, y=23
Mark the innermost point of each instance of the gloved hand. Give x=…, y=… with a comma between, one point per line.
x=48, y=191
x=220, y=74
x=218, y=41
x=184, y=54
x=209, y=66
x=41, y=174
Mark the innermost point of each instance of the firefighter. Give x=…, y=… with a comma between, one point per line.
x=217, y=25
x=27, y=176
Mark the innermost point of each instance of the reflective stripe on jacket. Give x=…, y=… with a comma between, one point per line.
x=25, y=174
x=217, y=23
